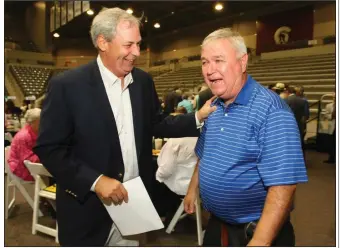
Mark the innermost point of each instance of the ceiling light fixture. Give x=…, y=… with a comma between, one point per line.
x=56, y=35
x=157, y=25
x=90, y=12
x=146, y=19
x=172, y=12
x=218, y=6
x=129, y=11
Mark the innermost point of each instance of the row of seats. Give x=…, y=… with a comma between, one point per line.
x=33, y=80
x=316, y=73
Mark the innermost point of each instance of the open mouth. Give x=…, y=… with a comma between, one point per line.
x=130, y=60
x=216, y=81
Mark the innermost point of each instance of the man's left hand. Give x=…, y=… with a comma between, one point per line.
x=206, y=110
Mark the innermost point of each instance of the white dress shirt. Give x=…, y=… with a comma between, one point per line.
x=176, y=164
x=121, y=107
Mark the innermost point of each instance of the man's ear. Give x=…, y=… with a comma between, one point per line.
x=102, y=43
x=244, y=62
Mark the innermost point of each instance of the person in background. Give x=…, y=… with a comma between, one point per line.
x=197, y=97
x=271, y=87
x=25, y=106
x=22, y=145
x=281, y=90
x=300, y=92
x=297, y=105
x=176, y=164
x=204, y=96
x=11, y=109
x=186, y=103
x=171, y=101
x=331, y=117
x=249, y=151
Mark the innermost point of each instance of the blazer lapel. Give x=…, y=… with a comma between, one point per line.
x=137, y=111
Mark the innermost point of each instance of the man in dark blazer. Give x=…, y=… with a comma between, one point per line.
x=89, y=127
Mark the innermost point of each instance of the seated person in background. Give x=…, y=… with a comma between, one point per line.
x=11, y=109
x=179, y=110
x=331, y=116
x=25, y=106
x=22, y=145
x=186, y=103
x=176, y=164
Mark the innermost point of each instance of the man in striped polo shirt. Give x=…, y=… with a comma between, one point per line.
x=249, y=151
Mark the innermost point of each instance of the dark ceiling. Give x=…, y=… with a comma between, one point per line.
x=172, y=15
x=175, y=15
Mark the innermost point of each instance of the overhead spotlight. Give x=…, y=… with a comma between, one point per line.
x=146, y=19
x=90, y=12
x=172, y=13
x=129, y=11
x=157, y=25
x=56, y=35
x=218, y=6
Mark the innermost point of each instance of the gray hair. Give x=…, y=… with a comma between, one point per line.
x=233, y=37
x=105, y=23
x=32, y=115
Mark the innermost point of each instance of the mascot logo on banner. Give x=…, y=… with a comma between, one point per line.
x=281, y=35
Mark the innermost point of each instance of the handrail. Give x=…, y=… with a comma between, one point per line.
x=309, y=120
x=311, y=105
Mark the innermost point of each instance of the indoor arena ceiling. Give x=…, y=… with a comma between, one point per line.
x=175, y=15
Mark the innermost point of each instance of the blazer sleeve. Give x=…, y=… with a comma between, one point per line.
x=172, y=126
x=54, y=144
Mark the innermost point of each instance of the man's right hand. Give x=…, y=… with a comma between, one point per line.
x=111, y=189
x=189, y=202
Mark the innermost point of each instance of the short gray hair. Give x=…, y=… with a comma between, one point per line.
x=233, y=37
x=105, y=23
x=32, y=115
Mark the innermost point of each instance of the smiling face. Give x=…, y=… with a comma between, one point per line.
x=119, y=54
x=223, y=71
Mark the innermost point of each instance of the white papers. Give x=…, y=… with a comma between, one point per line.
x=138, y=215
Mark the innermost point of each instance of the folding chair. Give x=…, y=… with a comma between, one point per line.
x=180, y=215
x=14, y=182
x=38, y=171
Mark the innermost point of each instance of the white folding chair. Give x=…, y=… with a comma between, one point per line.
x=12, y=181
x=38, y=171
x=180, y=215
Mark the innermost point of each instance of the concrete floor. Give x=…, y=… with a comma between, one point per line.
x=313, y=217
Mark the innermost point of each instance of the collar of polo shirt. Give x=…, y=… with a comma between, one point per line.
x=244, y=95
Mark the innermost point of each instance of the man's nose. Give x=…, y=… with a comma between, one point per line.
x=210, y=68
x=136, y=50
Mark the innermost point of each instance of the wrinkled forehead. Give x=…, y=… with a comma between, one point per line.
x=219, y=48
x=128, y=31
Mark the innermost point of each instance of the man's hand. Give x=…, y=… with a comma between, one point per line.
x=205, y=111
x=189, y=201
x=110, y=189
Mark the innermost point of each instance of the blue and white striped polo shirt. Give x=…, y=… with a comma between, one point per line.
x=243, y=149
